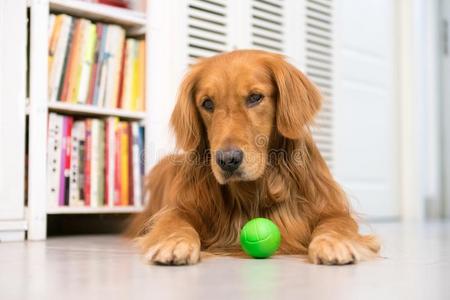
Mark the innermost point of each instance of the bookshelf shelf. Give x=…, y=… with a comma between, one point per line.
x=94, y=111
x=93, y=210
x=99, y=12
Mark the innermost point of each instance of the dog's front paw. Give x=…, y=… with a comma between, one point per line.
x=174, y=251
x=330, y=250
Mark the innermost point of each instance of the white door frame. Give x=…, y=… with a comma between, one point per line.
x=419, y=133
x=444, y=61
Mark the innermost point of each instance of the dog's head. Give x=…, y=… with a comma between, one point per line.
x=235, y=103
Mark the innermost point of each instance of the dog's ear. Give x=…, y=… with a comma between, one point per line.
x=185, y=119
x=298, y=99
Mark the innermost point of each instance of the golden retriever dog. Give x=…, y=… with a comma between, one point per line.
x=242, y=122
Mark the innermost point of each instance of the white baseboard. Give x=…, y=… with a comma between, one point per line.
x=12, y=230
x=12, y=236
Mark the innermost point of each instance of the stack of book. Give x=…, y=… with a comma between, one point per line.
x=94, y=162
x=95, y=64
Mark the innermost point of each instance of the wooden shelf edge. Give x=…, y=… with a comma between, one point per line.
x=93, y=210
x=99, y=12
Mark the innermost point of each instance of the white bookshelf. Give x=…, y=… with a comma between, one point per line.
x=38, y=105
x=94, y=111
x=99, y=12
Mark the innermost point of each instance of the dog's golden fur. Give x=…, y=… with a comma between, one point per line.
x=195, y=206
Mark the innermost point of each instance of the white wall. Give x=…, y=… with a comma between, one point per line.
x=12, y=118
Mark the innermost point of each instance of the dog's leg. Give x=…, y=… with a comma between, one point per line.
x=336, y=241
x=171, y=240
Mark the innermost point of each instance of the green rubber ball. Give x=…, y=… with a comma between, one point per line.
x=260, y=238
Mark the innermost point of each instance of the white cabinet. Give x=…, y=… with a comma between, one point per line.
x=12, y=118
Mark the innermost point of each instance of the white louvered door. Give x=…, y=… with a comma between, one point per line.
x=267, y=25
x=208, y=28
x=319, y=68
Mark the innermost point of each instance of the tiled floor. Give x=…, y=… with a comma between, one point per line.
x=416, y=266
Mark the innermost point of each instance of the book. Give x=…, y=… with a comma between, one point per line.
x=135, y=169
x=65, y=67
x=100, y=29
x=135, y=76
x=82, y=158
x=124, y=161
x=94, y=163
x=71, y=61
x=56, y=30
x=104, y=68
x=75, y=198
x=130, y=164
x=59, y=57
x=118, y=3
x=87, y=162
x=128, y=74
x=101, y=163
x=65, y=161
x=86, y=64
x=80, y=51
x=117, y=166
x=67, y=157
x=110, y=155
x=116, y=38
x=141, y=139
x=140, y=97
x=54, y=148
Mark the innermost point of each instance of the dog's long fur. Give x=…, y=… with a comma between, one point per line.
x=193, y=207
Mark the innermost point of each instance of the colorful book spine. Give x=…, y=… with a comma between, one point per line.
x=116, y=37
x=56, y=30
x=68, y=135
x=82, y=158
x=71, y=61
x=94, y=178
x=140, y=97
x=59, y=56
x=86, y=64
x=87, y=162
x=101, y=164
x=96, y=64
x=124, y=161
x=54, y=149
x=75, y=161
x=74, y=84
x=111, y=128
x=135, y=169
x=118, y=166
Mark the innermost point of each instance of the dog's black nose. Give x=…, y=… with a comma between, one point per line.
x=229, y=160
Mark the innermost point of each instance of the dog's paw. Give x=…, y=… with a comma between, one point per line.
x=174, y=251
x=330, y=250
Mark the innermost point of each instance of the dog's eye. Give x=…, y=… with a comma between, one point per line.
x=254, y=99
x=208, y=105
